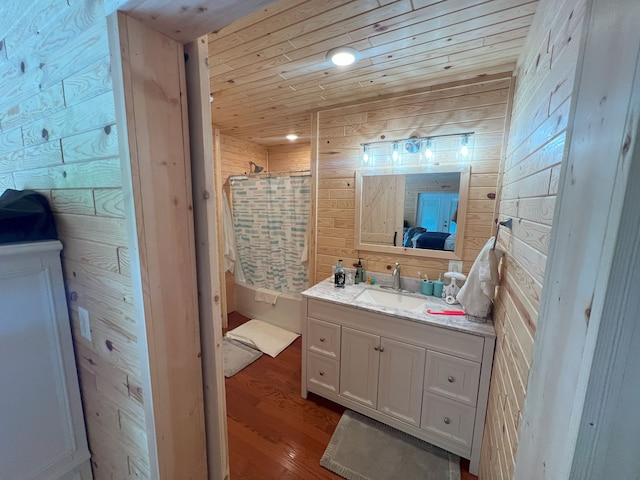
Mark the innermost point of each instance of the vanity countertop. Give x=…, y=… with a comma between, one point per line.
x=326, y=291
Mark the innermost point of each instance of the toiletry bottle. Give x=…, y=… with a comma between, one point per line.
x=438, y=285
x=359, y=274
x=340, y=277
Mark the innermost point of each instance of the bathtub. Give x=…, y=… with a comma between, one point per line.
x=286, y=313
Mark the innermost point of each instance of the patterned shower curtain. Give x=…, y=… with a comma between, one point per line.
x=270, y=217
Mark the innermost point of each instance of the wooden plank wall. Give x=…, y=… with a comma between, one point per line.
x=296, y=156
x=235, y=155
x=58, y=135
x=479, y=106
x=544, y=85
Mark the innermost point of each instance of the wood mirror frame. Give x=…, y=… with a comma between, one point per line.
x=456, y=254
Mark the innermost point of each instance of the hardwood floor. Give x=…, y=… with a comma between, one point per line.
x=273, y=432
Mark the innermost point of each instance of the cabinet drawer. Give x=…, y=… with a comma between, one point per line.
x=452, y=377
x=323, y=338
x=447, y=418
x=417, y=333
x=322, y=372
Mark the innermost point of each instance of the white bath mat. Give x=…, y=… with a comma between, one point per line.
x=265, y=337
x=236, y=356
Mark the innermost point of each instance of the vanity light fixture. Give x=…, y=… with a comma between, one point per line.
x=464, y=149
x=428, y=152
x=292, y=136
x=343, y=56
x=413, y=147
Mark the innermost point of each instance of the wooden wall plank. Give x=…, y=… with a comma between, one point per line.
x=289, y=157
x=42, y=155
x=94, y=80
x=92, y=228
x=109, y=202
x=96, y=112
x=96, y=174
x=97, y=255
x=99, y=280
x=58, y=47
x=46, y=101
x=531, y=167
x=11, y=140
x=77, y=201
x=6, y=181
x=92, y=145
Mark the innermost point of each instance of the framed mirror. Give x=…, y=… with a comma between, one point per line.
x=418, y=211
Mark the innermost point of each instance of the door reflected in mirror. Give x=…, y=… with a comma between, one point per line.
x=412, y=211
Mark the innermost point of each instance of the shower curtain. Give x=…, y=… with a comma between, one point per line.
x=270, y=217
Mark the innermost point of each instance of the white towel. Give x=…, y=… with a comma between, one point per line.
x=229, y=236
x=478, y=291
x=267, y=296
x=265, y=337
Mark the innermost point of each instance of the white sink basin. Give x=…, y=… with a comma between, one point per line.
x=386, y=298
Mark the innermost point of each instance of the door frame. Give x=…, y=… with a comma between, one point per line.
x=173, y=246
x=536, y=408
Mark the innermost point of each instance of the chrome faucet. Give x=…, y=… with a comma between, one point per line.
x=396, y=278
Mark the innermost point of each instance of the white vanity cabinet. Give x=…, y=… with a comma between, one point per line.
x=427, y=380
x=42, y=432
x=383, y=374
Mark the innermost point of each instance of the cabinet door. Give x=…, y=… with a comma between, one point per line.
x=41, y=424
x=359, y=366
x=401, y=380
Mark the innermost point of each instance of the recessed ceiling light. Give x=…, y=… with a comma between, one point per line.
x=343, y=56
x=292, y=137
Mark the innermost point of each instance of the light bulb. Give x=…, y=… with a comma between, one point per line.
x=292, y=137
x=464, y=150
x=428, y=153
x=365, y=156
x=342, y=56
x=395, y=152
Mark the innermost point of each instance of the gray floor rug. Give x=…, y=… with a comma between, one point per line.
x=237, y=356
x=365, y=449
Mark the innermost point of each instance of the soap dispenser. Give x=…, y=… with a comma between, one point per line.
x=340, y=276
x=359, y=272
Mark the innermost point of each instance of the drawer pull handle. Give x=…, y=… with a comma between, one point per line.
x=322, y=339
x=376, y=348
x=447, y=420
x=321, y=373
x=381, y=349
x=451, y=379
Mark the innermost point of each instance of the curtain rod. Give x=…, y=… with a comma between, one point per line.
x=304, y=173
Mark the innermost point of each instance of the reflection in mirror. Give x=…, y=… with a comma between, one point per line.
x=412, y=211
x=430, y=208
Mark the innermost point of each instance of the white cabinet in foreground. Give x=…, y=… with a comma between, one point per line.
x=426, y=380
x=42, y=432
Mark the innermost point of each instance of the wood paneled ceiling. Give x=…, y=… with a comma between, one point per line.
x=185, y=20
x=268, y=70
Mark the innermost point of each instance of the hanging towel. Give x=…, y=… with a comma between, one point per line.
x=304, y=258
x=228, y=236
x=267, y=296
x=477, y=293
